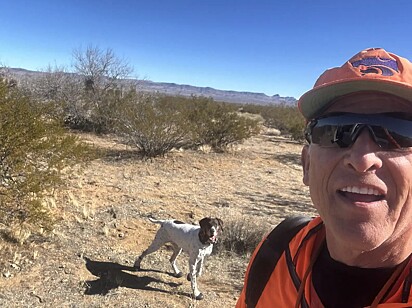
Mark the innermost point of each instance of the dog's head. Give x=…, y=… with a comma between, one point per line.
x=210, y=229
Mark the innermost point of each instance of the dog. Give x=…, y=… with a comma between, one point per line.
x=197, y=241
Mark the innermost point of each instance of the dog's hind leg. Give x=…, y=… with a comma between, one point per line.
x=158, y=242
x=176, y=252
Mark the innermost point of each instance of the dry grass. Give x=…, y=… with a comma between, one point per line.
x=103, y=217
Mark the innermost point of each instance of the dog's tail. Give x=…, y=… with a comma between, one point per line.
x=156, y=221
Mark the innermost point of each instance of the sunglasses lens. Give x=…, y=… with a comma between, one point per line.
x=391, y=138
x=342, y=130
x=328, y=135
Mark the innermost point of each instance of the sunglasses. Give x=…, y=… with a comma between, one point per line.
x=389, y=130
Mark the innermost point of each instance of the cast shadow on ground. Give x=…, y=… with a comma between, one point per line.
x=288, y=159
x=112, y=275
x=274, y=205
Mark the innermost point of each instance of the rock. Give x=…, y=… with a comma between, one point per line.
x=7, y=274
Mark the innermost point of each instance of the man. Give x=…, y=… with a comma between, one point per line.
x=358, y=167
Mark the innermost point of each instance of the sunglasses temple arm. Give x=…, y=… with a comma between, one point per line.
x=391, y=139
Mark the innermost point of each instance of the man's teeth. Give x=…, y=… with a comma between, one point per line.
x=361, y=190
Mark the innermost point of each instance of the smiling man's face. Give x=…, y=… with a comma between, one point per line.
x=363, y=193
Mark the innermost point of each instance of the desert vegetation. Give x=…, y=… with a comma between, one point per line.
x=34, y=150
x=36, y=144
x=48, y=132
x=286, y=119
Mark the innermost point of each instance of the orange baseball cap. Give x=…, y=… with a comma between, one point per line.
x=372, y=69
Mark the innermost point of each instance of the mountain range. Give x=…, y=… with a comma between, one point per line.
x=229, y=96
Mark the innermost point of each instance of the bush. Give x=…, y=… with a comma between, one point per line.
x=283, y=117
x=84, y=98
x=155, y=124
x=241, y=237
x=33, y=150
x=147, y=122
x=218, y=125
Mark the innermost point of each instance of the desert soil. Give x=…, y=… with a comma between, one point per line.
x=103, y=220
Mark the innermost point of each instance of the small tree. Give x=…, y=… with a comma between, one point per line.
x=101, y=71
x=33, y=150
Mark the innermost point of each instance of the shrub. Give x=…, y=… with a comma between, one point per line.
x=148, y=123
x=33, y=150
x=155, y=124
x=85, y=97
x=283, y=117
x=241, y=237
x=218, y=125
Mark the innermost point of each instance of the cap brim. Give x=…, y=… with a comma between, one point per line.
x=315, y=101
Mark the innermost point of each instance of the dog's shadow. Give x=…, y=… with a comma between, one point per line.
x=112, y=275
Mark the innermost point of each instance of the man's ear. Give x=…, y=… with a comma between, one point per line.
x=305, y=161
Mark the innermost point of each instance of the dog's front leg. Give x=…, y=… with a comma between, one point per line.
x=193, y=262
x=199, y=269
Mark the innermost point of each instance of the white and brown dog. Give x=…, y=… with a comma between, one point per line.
x=197, y=241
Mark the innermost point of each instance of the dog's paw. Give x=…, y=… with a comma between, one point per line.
x=199, y=297
x=178, y=275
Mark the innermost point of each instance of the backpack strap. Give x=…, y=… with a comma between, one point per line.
x=269, y=254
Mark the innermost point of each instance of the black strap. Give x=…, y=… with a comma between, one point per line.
x=268, y=256
x=406, y=290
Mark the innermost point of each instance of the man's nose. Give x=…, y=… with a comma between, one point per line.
x=363, y=154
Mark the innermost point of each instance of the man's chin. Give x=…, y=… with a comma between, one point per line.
x=358, y=235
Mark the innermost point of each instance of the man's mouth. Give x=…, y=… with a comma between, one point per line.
x=361, y=194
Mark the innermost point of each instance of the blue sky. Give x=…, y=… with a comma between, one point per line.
x=274, y=47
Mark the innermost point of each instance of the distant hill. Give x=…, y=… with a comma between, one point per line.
x=218, y=95
x=229, y=96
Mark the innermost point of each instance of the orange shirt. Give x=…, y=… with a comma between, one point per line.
x=282, y=291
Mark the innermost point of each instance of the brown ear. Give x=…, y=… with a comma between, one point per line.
x=203, y=222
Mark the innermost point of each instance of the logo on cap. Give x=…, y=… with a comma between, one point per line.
x=384, y=67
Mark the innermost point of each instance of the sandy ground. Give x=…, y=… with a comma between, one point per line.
x=103, y=219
